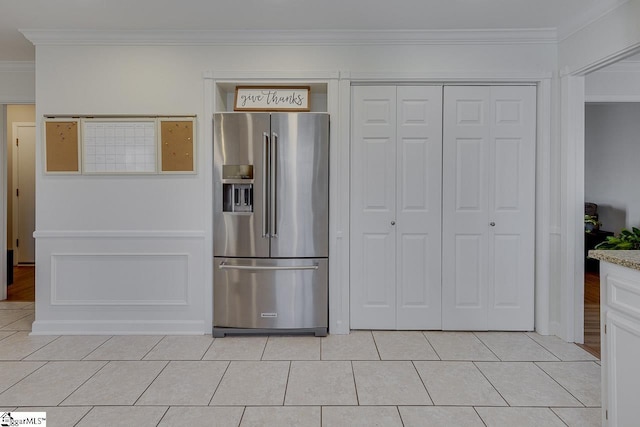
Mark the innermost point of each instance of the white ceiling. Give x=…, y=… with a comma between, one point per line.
x=278, y=15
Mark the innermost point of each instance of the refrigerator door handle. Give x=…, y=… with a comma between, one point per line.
x=265, y=186
x=224, y=266
x=274, y=185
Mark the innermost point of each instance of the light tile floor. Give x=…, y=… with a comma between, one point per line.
x=377, y=378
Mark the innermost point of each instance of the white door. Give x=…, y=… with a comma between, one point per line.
x=395, y=207
x=373, y=208
x=488, y=208
x=419, y=207
x=25, y=220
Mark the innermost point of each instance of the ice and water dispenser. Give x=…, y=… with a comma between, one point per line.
x=237, y=188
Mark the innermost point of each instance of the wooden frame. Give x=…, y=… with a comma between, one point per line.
x=177, y=142
x=135, y=145
x=62, y=146
x=272, y=98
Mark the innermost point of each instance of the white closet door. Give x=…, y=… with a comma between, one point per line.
x=418, y=218
x=512, y=208
x=488, y=208
x=465, y=211
x=396, y=207
x=373, y=208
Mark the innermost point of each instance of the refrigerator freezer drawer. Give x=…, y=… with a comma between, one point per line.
x=270, y=293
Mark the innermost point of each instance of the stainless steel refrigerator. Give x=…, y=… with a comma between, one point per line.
x=271, y=222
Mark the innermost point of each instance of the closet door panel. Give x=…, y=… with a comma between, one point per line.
x=488, y=207
x=373, y=207
x=512, y=208
x=465, y=208
x=418, y=219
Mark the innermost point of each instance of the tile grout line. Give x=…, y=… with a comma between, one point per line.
x=85, y=381
x=163, y=415
x=96, y=349
x=44, y=363
x=220, y=382
x=10, y=335
x=478, y=413
x=422, y=381
x=400, y=415
x=286, y=384
x=152, y=381
x=355, y=384
x=244, y=409
x=152, y=347
x=487, y=346
x=545, y=348
x=265, y=347
x=492, y=385
x=24, y=316
x=559, y=417
x=39, y=348
x=208, y=348
x=373, y=337
x=431, y=345
x=83, y=417
x=563, y=387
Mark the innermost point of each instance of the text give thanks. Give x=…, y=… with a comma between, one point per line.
x=260, y=98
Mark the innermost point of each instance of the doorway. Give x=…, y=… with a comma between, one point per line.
x=611, y=177
x=20, y=201
x=24, y=200
x=611, y=104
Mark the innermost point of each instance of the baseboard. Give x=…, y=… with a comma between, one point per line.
x=554, y=329
x=83, y=327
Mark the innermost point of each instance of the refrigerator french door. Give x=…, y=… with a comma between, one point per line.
x=271, y=222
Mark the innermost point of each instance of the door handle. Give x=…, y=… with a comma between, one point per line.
x=274, y=185
x=224, y=266
x=393, y=223
x=265, y=187
x=493, y=224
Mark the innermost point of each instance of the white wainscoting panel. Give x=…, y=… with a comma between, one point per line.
x=119, y=279
x=121, y=282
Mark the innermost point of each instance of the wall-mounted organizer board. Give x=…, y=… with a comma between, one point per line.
x=119, y=145
x=62, y=145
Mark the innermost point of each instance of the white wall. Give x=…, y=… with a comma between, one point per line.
x=17, y=82
x=602, y=39
x=606, y=39
x=171, y=215
x=616, y=83
x=612, y=150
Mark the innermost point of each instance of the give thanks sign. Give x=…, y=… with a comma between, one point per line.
x=259, y=98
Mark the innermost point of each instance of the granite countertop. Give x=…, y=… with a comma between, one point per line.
x=630, y=259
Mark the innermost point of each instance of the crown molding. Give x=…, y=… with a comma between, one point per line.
x=17, y=66
x=302, y=37
x=588, y=17
x=622, y=67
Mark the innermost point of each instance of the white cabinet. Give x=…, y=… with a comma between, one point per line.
x=488, y=207
x=396, y=189
x=620, y=330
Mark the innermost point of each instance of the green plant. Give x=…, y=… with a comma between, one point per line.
x=626, y=240
x=591, y=223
